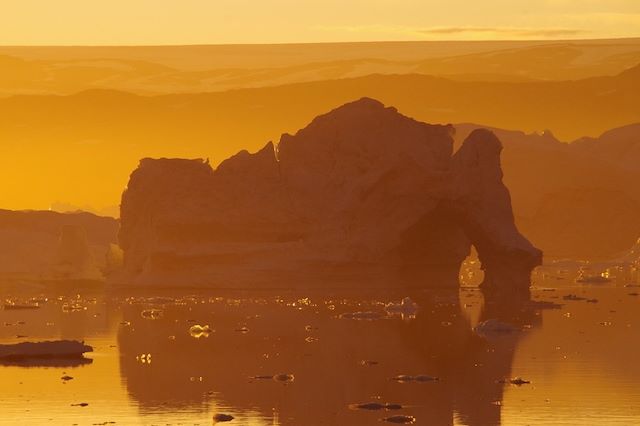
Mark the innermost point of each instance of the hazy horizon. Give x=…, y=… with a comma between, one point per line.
x=203, y=22
x=603, y=38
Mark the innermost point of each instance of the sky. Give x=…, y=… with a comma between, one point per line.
x=161, y=22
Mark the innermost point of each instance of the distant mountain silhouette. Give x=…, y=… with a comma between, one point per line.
x=551, y=62
x=193, y=69
x=97, y=137
x=361, y=192
x=617, y=147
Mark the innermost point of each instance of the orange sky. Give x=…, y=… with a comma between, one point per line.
x=114, y=22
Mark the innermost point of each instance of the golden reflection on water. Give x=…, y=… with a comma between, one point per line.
x=149, y=367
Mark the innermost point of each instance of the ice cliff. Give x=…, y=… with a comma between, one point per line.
x=46, y=245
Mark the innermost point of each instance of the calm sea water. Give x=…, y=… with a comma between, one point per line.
x=582, y=359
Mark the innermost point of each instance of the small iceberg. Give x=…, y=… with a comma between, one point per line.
x=518, y=381
x=283, y=377
x=593, y=279
x=152, y=314
x=46, y=349
x=197, y=331
x=405, y=420
x=375, y=406
x=573, y=297
x=12, y=305
x=406, y=307
x=420, y=378
x=362, y=315
x=221, y=418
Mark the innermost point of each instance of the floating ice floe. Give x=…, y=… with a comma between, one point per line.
x=10, y=305
x=46, y=349
x=573, y=297
x=159, y=300
x=405, y=378
x=518, y=381
x=73, y=307
x=277, y=377
x=593, y=279
x=366, y=315
x=375, y=406
x=221, y=418
x=406, y=307
x=197, y=331
x=400, y=419
x=151, y=314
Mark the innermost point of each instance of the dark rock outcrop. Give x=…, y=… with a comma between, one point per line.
x=362, y=193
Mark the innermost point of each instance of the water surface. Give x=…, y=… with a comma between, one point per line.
x=581, y=359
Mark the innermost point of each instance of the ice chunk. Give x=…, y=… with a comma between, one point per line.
x=46, y=349
x=220, y=418
x=400, y=419
x=405, y=307
x=197, y=331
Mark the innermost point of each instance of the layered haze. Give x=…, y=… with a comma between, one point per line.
x=84, y=116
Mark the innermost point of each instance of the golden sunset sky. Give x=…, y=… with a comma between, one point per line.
x=146, y=22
